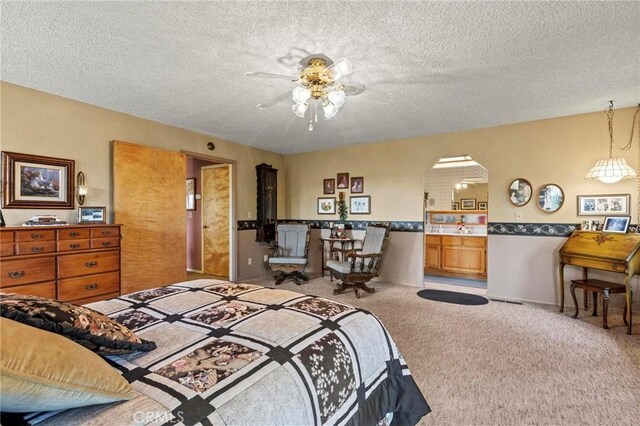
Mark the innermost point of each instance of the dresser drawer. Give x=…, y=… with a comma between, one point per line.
x=74, y=234
x=88, y=286
x=474, y=241
x=70, y=245
x=24, y=271
x=75, y=265
x=36, y=247
x=104, y=232
x=46, y=290
x=6, y=249
x=105, y=242
x=6, y=237
x=35, y=235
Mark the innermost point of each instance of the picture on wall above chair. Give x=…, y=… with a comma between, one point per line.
x=360, y=204
x=329, y=186
x=326, y=205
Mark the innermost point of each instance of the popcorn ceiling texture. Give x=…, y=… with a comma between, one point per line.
x=449, y=66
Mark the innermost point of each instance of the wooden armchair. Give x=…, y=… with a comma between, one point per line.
x=289, y=257
x=360, y=266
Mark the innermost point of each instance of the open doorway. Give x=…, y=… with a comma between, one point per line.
x=210, y=219
x=456, y=209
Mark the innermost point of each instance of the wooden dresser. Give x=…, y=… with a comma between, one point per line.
x=603, y=251
x=74, y=263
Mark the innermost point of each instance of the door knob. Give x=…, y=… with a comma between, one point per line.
x=205, y=226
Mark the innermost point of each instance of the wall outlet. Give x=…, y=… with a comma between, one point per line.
x=249, y=261
x=519, y=217
x=266, y=257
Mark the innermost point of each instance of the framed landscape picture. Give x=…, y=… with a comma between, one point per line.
x=360, y=204
x=37, y=182
x=326, y=205
x=601, y=205
x=468, y=203
x=92, y=215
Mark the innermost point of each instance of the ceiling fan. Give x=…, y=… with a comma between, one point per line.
x=320, y=86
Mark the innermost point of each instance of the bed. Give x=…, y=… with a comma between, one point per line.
x=246, y=354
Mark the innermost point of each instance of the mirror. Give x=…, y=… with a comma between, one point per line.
x=550, y=198
x=520, y=192
x=470, y=196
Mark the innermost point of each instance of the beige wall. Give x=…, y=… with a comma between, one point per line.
x=34, y=122
x=559, y=150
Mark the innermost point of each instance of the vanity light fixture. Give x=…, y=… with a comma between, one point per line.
x=612, y=170
x=81, y=188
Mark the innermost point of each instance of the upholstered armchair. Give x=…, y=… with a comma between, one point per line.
x=359, y=266
x=288, y=258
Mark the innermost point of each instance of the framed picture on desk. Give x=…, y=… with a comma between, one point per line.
x=618, y=224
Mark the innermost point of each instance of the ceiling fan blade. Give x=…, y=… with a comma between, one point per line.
x=377, y=96
x=270, y=75
x=353, y=89
x=342, y=68
x=274, y=101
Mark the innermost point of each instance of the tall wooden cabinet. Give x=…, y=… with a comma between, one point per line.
x=76, y=263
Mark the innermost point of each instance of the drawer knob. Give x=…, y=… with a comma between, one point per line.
x=106, y=244
x=36, y=236
x=37, y=249
x=76, y=245
x=91, y=264
x=16, y=274
x=74, y=234
x=92, y=286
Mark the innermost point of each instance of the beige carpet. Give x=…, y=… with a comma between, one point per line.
x=507, y=364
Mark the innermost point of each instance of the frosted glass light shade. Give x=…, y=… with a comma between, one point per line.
x=299, y=109
x=611, y=170
x=336, y=97
x=301, y=94
x=330, y=111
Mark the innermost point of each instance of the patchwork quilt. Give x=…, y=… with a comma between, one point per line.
x=242, y=354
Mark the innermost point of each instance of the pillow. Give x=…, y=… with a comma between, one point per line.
x=42, y=371
x=85, y=326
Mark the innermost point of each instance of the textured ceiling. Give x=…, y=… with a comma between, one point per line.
x=448, y=65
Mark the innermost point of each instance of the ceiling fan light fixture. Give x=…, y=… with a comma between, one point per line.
x=336, y=97
x=330, y=110
x=299, y=109
x=301, y=95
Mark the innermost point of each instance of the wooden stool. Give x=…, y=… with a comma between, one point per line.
x=599, y=286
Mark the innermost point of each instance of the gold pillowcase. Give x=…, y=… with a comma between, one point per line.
x=42, y=371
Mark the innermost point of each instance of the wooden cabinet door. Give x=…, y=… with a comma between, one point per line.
x=148, y=199
x=468, y=260
x=432, y=257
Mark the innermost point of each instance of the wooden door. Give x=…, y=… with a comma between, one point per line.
x=467, y=260
x=148, y=199
x=431, y=253
x=216, y=203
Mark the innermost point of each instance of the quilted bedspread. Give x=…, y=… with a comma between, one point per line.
x=244, y=354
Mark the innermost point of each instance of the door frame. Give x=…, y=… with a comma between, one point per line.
x=231, y=221
x=233, y=229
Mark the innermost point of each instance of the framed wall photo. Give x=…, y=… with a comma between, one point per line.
x=360, y=204
x=343, y=180
x=92, y=215
x=550, y=198
x=357, y=185
x=455, y=205
x=191, y=194
x=601, y=205
x=586, y=226
x=328, y=186
x=326, y=205
x=520, y=192
x=483, y=205
x=468, y=203
x=37, y=182
x=618, y=224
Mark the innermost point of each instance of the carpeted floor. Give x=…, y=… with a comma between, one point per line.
x=507, y=364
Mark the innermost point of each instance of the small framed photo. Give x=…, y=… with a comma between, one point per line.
x=343, y=180
x=595, y=225
x=92, y=215
x=618, y=224
x=357, y=185
x=326, y=205
x=586, y=225
x=191, y=194
x=360, y=204
x=468, y=203
x=329, y=186
x=455, y=205
x=37, y=182
x=482, y=205
x=600, y=205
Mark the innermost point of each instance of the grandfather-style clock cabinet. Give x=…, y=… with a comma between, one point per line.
x=267, y=203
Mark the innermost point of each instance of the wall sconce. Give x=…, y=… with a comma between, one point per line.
x=611, y=170
x=81, y=188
